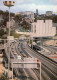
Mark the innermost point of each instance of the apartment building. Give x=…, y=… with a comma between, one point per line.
x=43, y=28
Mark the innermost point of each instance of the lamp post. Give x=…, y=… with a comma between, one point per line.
x=9, y=4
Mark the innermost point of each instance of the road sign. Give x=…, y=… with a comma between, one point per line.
x=26, y=63
x=37, y=60
x=10, y=38
x=22, y=64
x=16, y=65
x=31, y=61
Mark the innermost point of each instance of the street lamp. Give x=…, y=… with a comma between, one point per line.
x=9, y=4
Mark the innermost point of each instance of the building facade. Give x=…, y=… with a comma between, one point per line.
x=49, y=13
x=19, y=13
x=36, y=11
x=12, y=24
x=29, y=14
x=43, y=28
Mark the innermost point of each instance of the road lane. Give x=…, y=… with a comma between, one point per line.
x=45, y=61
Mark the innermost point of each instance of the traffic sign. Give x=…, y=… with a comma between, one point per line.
x=31, y=62
x=26, y=63
x=37, y=60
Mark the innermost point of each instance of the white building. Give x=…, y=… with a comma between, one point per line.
x=10, y=38
x=24, y=13
x=43, y=28
x=29, y=14
x=12, y=24
x=19, y=13
x=36, y=11
x=49, y=13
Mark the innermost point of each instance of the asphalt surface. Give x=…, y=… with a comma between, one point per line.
x=49, y=68
x=24, y=74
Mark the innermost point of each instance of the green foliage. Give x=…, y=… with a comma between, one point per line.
x=1, y=22
x=26, y=35
x=18, y=18
x=48, y=17
x=1, y=32
x=36, y=18
x=1, y=12
x=30, y=41
x=25, y=24
x=55, y=19
x=3, y=77
x=15, y=34
x=0, y=51
x=5, y=15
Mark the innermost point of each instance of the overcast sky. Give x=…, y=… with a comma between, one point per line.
x=31, y=5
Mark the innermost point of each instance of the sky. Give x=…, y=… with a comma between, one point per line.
x=31, y=5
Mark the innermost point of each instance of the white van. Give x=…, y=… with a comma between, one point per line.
x=18, y=57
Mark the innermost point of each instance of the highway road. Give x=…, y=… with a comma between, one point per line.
x=49, y=68
x=30, y=75
x=51, y=48
x=21, y=74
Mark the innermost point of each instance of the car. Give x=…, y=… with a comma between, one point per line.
x=21, y=52
x=18, y=57
x=12, y=48
x=18, y=47
x=21, y=70
x=24, y=55
x=11, y=56
x=12, y=51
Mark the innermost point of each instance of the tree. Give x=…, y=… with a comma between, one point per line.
x=1, y=32
x=36, y=18
x=25, y=24
x=3, y=77
x=1, y=12
x=1, y=23
x=5, y=15
x=18, y=18
x=55, y=19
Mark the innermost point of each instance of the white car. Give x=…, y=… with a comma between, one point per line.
x=18, y=57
